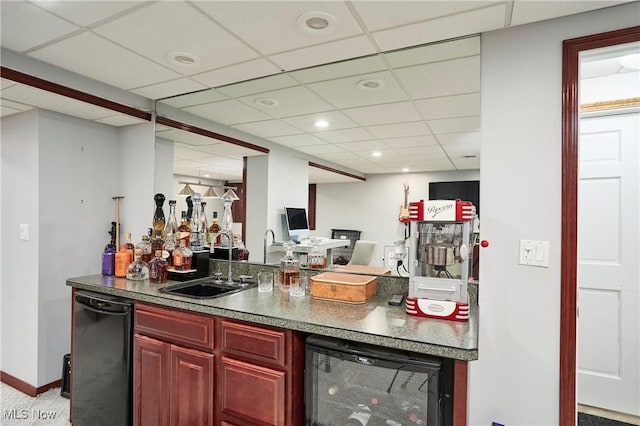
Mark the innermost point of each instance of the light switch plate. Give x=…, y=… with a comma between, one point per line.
x=534, y=253
x=24, y=231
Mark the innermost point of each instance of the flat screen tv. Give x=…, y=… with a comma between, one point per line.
x=297, y=223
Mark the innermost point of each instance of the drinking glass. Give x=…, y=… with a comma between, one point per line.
x=265, y=281
x=297, y=287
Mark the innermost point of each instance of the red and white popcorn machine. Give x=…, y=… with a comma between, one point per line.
x=439, y=264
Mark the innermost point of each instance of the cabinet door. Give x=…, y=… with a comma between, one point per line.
x=252, y=394
x=151, y=382
x=191, y=387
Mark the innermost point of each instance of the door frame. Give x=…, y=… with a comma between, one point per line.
x=569, y=258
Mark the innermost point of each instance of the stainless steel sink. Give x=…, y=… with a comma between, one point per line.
x=207, y=289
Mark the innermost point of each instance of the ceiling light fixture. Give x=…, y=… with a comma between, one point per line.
x=266, y=102
x=376, y=154
x=321, y=124
x=316, y=22
x=370, y=84
x=210, y=193
x=406, y=169
x=183, y=59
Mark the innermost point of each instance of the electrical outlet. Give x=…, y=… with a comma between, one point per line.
x=389, y=256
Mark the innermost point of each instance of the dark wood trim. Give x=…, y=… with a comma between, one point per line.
x=460, y=377
x=208, y=133
x=331, y=169
x=49, y=86
x=25, y=387
x=312, y=206
x=569, y=257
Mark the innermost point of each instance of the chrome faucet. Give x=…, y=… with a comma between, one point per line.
x=273, y=237
x=229, y=236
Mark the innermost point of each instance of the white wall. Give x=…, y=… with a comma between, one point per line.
x=257, y=216
x=373, y=206
x=516, y=379
x=20, y=160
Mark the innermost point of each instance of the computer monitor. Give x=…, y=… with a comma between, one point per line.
x=297, y=223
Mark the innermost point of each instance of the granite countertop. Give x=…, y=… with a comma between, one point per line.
x=375, y=322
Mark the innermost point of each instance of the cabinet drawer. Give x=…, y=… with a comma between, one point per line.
x=183, y=328
x=263, y=345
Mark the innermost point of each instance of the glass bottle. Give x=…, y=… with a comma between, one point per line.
x=138, y=269
x=195, y=242
x=184, y=230
x=227, y=216
x=122, y=262
x=145, y=246
x=182, y=257
x=108, y=260
x=189, y=202
x=289, y=266
x=158, y=268
x=158, y=216
x=214, y=230
x=204, y=226
x=317, y=258
x=170, y=233
x=129, y=246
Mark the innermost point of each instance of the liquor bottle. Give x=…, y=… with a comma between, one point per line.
x=182, y=257
x=158, y=216
x=289, y=267
x=204, y=226
x=108, y=260
x=214, y=229
x=195, y=242
x=184, y=230
x=138, y=269
x=122, y=261
x=145, y=246
x=317, y=258
x=158, y=268
x=171, y=228
x=129, y=246
x=189, y=202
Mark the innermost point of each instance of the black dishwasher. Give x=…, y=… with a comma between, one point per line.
x=101, y=374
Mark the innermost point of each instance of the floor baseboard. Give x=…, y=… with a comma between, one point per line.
x=25, y=387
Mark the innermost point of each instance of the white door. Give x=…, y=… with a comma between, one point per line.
x=608, y=263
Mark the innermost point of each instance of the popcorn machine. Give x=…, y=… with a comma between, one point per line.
x=439, y=254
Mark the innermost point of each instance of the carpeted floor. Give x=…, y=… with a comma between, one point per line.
x=589, y=420
x=46, y=409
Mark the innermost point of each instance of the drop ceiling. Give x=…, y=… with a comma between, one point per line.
x=425, y=116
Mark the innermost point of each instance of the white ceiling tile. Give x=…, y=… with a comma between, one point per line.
x=453, y=77
x=435, y=165
x=172, y=26
x=6, y=111
x=294, y=141
x=17, y=106
x=466, y=163
x=190, y=99
x=345, y=135
x=98, y=59
x=449, y=106
x=24, y=26
x=184, y=137
x=436, y=52
x=320, y=149
x=271, y=26
x=411, y=141
x=370, y=145
x=462, y=150
x=399, y=130
x=344, y=92
x=120, y=120
x=342, y=69
x=454, y=125
x=227, y=112
x=5, y=83
x=189, y=153
x=341, y=156
x=267, y=129
x=398, y=112
x=532, y=11
x=228, y=149
x=452, y=139
x=474, y=22
x=422, y=153
x=237, y=72
x=290, y=101
x=85, y=13
x=169, y=88
x=260, y=85
x=378, y=15
x=324, y=53
x=336, y=120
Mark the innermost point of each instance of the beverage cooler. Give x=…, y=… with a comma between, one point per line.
x=349, y=383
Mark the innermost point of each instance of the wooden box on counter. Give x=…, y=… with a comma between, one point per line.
x=341, y=287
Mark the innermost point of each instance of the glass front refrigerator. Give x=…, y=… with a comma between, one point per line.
x=348, y=383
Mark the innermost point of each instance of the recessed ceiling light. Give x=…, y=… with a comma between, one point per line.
x=376, y=154
x=207, y=175
x=406, y=169
x=321, y=124
x=470, y=156
x=316, y=22
x=266, y=102
x=183, y=59
x=370, y=84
